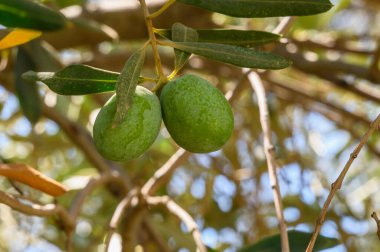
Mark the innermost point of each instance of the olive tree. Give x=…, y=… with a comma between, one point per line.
x=185, y=125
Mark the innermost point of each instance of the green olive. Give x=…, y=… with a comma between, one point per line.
x=196, y=114
x=135, y=134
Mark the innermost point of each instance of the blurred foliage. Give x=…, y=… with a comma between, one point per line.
x=319, y=108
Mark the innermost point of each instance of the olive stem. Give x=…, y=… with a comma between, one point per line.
x=153, y=42
x=162, y=9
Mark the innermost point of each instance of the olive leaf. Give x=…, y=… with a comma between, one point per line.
x=31, y=15
x=126, y=84
x=260, y=8
x=228, y=36
x=235, y=55
x=298, y=242
x=182, y=33
x=76, y=80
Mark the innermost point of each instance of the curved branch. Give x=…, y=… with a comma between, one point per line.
x=37, y=209
x=184, y=216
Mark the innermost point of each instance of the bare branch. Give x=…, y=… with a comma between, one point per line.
x=184, y=216
x=118, y=214
x=258, y=87
x=162, y=174
x=161, y=244
x=37, y=209
x=338, y=182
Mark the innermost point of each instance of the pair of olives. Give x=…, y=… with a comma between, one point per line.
x=196, y=115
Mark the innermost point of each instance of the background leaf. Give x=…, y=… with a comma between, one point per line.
x=44, y=55
x=260, y=8
x=15, y=37
x=182, y=33
x=230, y=37
x=298, y=242
x=126, y=84
x=28, y=14
x=26, y=90
x=33, y=178
x=235, y=55
x=96, y=27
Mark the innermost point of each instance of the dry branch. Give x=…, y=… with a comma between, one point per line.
x=184, y=216
x=37, y=209
x=269, y=149
x=338, y=182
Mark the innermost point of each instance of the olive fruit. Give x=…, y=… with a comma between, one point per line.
x=135, y=134
x=196, y=114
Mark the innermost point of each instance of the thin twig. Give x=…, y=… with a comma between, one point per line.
x=118, y=214
x=154, y=236
x=162, y=9
x=258, y=87
x=184, y=216
x=376, y=218
x=90, y=187
x=284, y=25
x=162, y=174
x=338, y=182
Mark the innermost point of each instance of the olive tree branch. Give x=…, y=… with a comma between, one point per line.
x=34, y=208
x=269, y=149
x=163, y=174
x=335, y=186
x=377, y=220
x=184, y=216
x=129, y=200
x=37, y=209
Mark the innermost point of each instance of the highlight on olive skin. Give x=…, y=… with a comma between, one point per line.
x=196, y=114
x=135, y=134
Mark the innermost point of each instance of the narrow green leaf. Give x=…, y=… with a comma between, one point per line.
x=298, y=242
x=126, y=84
x=27, y=92
x=31, y=15
x=262, y=8
x=182, y=33
x=76, y=80
x=229, y=37
x=235, y=55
